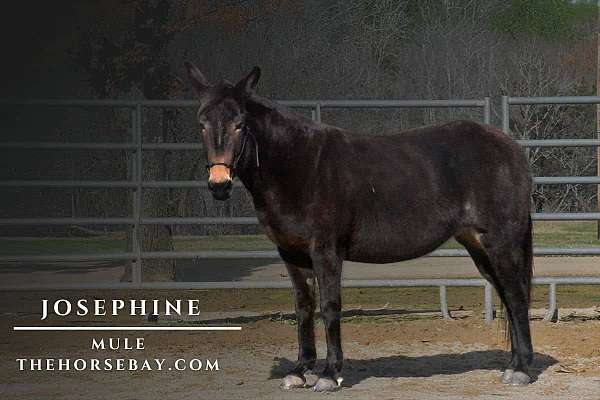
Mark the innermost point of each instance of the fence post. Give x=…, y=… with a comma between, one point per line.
x=489, y=303
x=487, y=111
x=318, y=112
x=505, y=115
x=132, y=176
x=598, y=119
x=136, y=272
x=552, y=313
x=444, y=303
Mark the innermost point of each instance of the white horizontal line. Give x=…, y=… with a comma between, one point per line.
x=127, y=328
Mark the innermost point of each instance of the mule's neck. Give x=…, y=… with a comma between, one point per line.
x=278, y=134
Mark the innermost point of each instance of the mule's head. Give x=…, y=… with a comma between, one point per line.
x=222, y=118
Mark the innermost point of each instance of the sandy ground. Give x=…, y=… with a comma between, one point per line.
x=269, y=270
x=385, y=359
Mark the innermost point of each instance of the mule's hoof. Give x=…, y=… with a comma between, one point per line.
x=292, y=382
x=520, y=378
x=515, y=378
x=507, y=376
x=327, y=385
x=311, y=379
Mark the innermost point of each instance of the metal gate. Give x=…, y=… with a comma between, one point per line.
x=137, y=185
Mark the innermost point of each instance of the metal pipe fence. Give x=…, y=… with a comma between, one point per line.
x=137, y=185
x=506, y=102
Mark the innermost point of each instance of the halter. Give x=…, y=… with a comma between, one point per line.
x=233, y=167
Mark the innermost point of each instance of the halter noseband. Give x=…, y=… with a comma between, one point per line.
x=233, y=167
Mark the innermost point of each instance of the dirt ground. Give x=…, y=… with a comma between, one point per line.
x=386, y=358
x=217, y=270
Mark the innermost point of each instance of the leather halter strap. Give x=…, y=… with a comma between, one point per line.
x=233, y=167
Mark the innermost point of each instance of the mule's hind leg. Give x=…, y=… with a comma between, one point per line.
x=519, y=295
x=513, y=288
x=303, y=280
x=508, y=269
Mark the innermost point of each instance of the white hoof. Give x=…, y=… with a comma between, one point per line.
x=311, y=379
x=520, y=378
x=327, y=385
x=515, y=378
x=292, y=382
x=507, y=376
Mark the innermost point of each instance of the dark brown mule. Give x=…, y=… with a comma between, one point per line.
x=324, y=195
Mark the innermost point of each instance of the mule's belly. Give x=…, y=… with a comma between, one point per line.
x=392, y=240
x=377, y=254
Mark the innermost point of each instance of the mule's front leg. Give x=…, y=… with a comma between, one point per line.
x=303, y=280
x=328, y=269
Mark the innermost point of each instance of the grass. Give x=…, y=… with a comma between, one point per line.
x=566, y=234
x=225, y=242
x=546, y=234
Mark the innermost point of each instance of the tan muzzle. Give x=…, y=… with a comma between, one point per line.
x=219, y=174
x=220, y=181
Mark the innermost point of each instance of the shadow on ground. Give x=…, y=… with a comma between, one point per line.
x=355, y=371
x=63, y=267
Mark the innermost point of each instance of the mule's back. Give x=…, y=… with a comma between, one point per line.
x=411, y=192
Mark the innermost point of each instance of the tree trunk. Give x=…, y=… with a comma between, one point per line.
x=158, y=203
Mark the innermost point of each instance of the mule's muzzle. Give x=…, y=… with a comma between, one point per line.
x=220, y=180
x=221, y=190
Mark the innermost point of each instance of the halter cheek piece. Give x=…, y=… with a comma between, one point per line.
x=233, y=167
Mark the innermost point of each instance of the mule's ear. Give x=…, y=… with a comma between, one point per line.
x=248, y=83
x=198, y=80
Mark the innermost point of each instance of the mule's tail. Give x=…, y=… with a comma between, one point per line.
x=527, y=249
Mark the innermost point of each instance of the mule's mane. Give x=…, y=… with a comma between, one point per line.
x=283, y=116
x=264, y=102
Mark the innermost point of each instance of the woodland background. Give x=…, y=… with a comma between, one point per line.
x=337, y=49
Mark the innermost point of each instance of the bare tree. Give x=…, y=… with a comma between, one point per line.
x=535, y=72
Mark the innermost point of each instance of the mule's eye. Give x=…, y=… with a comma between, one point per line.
x=202, y=128
x=239, y=126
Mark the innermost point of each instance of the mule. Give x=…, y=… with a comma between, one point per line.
x=324, y=195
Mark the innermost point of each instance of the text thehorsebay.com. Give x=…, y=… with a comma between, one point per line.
x=116, y=345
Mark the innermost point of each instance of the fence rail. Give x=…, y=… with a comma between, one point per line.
x=137, y=185
x=548, y=180
x=262, y=254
